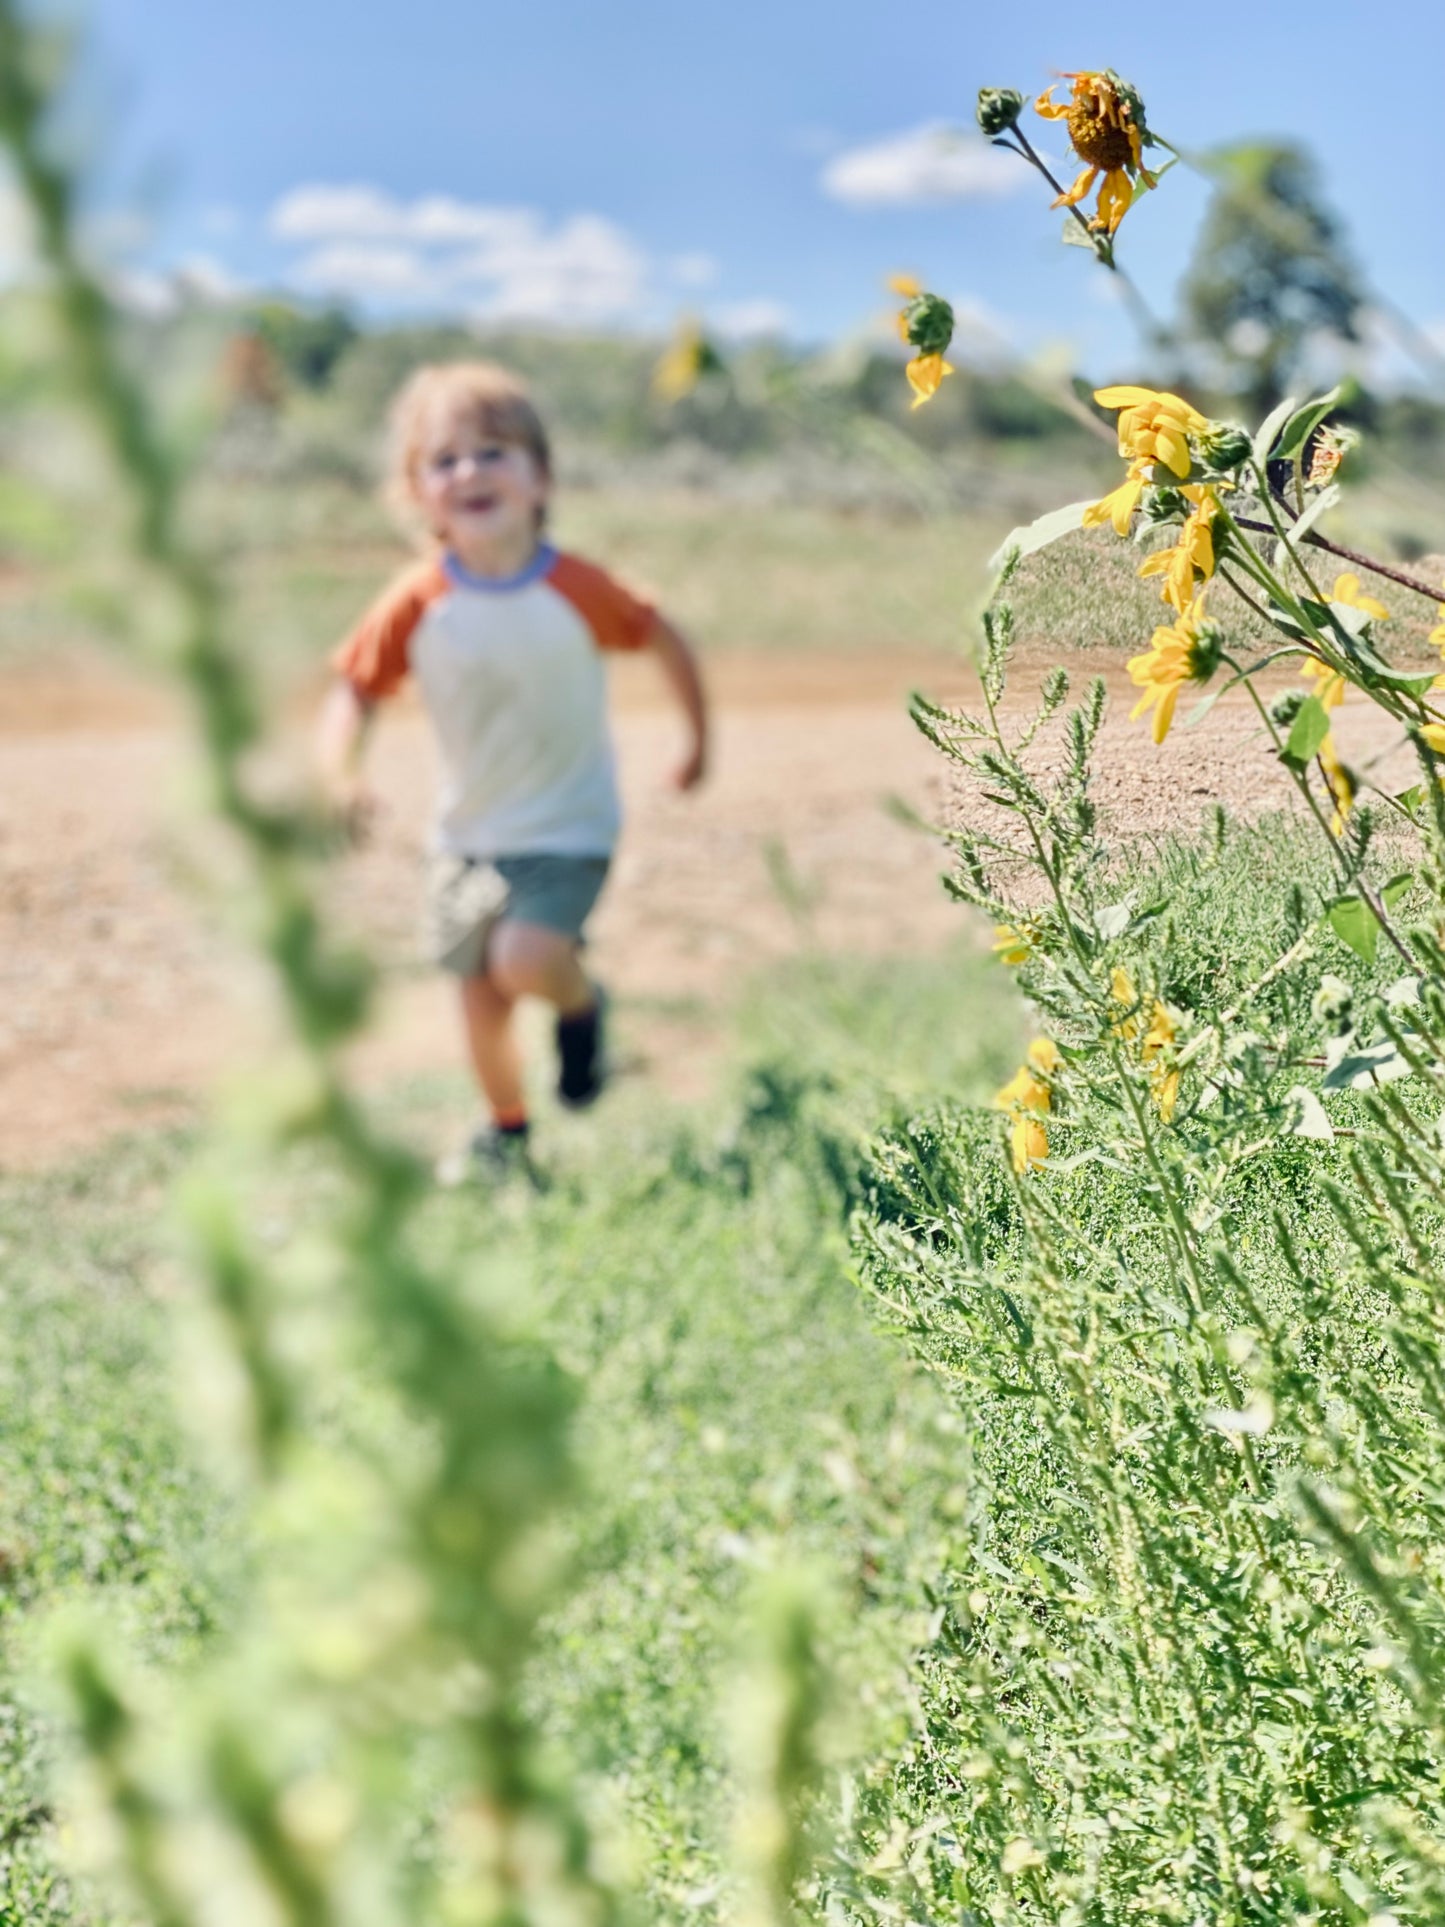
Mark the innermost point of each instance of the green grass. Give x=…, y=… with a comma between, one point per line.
x=692, y=1271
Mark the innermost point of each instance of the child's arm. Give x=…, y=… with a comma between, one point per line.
x=341, y=732
x=680, y=667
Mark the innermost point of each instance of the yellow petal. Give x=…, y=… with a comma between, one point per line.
x=1434, y=735
x=1078, y=191
x=1115, y=198
x=1048, y=107
x=906, y=285
x=1043, y=1053
x=1164, y=714
x=1172, y=448
x=925, y=376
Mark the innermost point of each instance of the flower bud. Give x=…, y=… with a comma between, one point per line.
x=998, y=110
x=928, y=323
x=1225, y=445
x=1160, y=506
x=1285, y=707
x=1333, y=1005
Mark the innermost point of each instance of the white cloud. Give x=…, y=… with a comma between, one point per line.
x=316, y=212
x=929, y=163
x=751, y=320
x=362, y=268
x=494, y=263
x=693, y=270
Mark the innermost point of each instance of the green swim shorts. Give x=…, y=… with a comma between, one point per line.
x=466, y=897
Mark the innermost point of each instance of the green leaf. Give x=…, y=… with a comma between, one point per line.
x=1304, y=421
x=1311, y=726
x=1355, y=923
x=1270, y=427
x=1366, y=1066
x=1038, y=535
x=1396, y=888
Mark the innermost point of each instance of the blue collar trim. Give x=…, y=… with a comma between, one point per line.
x=463, y=577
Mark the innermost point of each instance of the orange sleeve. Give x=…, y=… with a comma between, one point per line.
x=376, y=655
x=619, y=617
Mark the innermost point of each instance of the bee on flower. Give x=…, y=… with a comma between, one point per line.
x=1105, y=119
x=1027, y=1097
x=1188, y=650
x=925, y=322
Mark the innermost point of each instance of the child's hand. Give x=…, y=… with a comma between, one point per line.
x=692, y=769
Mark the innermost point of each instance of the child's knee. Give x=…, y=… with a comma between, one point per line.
x=525, y=959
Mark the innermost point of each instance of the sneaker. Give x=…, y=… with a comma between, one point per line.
x=582, y=1055
x=490, y=1156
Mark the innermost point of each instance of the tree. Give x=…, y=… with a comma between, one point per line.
x=308, y=342
x=1270, y=270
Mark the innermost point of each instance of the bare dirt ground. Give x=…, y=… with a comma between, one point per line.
x=123, y=994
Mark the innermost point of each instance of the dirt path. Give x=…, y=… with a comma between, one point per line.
x=122, y=996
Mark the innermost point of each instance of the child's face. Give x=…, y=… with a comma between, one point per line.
x=480, y=495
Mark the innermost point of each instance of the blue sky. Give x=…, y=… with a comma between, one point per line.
x=619, y=162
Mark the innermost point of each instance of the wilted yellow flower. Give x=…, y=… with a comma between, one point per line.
x=1191, y=560
x=1154, y=426
x=1027, y=1096
x=1340, y=782
x=1105, y=118
x=925, y=376
x=1187, y=651
x=1347, y=590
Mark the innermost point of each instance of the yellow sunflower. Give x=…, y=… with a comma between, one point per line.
x=1186, y=651
x=1027, y=1096
x=1105, y=118
x=1191, y=560
x=1156, y=1042
x=1154, y=425
x=1332, y=684
x=1347, y=590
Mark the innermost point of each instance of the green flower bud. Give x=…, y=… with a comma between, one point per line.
x=1160, y=506
x=1284, y=708
x=1333, y=1005
x=998, y=110
x=1205, y=651
x=1225, y=445
x=929, y=322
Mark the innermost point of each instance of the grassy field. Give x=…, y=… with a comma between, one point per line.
x=692, y=1272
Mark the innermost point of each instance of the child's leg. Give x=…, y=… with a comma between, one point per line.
x=529, y=960
x=493, y=1046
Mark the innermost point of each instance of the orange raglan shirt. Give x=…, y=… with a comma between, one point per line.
x=510, y=672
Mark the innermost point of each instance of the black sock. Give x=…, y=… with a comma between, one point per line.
x=578, y=1036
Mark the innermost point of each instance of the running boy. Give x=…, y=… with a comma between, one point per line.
x=503, y=635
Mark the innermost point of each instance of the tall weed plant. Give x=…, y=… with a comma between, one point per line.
x=1186, y=1291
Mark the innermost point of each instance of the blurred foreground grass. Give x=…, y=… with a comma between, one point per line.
x=692, y=1271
